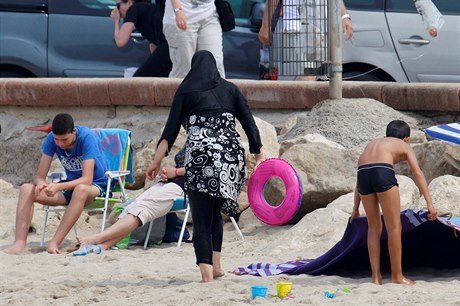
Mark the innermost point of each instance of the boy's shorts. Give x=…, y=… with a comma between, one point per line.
x=378, y=177
x=68, y=193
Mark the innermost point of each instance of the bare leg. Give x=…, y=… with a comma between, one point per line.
x=391, y=208
x=81, y=195
x=24, y=214
x=216, y=266
x=113, y=234
x=206, y=272
x=374, y=231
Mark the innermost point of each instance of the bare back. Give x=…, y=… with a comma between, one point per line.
x=387, y=150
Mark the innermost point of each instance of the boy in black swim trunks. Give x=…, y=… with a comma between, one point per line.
x=377, y=184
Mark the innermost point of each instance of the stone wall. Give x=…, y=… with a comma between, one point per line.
x=293, y=95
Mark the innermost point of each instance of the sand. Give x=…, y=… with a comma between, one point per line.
x=165, y=275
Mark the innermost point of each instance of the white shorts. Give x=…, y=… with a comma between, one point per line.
x=153, y=203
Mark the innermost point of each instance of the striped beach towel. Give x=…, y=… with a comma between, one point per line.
x=448, y=132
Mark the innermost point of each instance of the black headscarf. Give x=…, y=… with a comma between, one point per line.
x=203, y=74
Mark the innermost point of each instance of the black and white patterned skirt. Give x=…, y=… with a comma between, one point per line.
x=215, y=158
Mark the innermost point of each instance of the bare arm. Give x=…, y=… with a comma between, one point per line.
x=181, y=19
x=160, y=153
x=264, y=32
x=347, y=27
x=121, y=33
x=357, y=201
x=43, y=168
x=420, y=181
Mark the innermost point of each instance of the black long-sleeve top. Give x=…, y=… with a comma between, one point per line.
x=225, y=97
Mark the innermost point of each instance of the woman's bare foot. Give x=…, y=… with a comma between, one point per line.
x=404, y=281
x=87, y=240
x=16, y=248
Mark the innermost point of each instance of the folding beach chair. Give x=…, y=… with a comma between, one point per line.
x=181, y=205
x=116, y=146
x=448, y=132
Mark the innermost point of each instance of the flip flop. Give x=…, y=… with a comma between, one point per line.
x=88, y=248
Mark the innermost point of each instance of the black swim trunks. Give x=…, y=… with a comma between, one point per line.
x=377, y=177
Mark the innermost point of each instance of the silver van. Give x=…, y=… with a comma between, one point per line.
x=390, y=43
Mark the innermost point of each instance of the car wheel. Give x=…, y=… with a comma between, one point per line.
x=13, y=74
x=361, y=76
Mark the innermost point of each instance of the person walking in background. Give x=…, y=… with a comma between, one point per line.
x=147, y=19
x=299, y=43
x=377, y=184
x=190, y=26
x=215, y=159
x=79, y=151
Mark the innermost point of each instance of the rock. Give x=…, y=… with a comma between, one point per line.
x=309, y=138
x=351, y=123
x=435, y=158
x=408, y=191
x=324, y=228
x=326, y=173
x=445, y=194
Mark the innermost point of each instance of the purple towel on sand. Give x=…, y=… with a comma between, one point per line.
x=425, y=244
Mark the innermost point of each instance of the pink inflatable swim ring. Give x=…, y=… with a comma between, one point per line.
x=275, y=215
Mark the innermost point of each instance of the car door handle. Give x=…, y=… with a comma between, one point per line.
x=414, y=41
x=137, y=37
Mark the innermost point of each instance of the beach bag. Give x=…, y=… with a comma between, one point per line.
x=226, y=16
x=156, y=235
x=173, y=228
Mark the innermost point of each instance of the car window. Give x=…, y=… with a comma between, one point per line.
x=446, y=7
x=243, y=8
x=82, y=7
x=368, y=5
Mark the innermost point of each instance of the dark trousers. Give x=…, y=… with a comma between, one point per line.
x=157, y=65
x=208, y=229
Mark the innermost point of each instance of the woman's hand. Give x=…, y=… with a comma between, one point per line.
x=152, y=171
x=181, y=20
x=354, y=215
x=169, y=173
x=260, y=157
x=347, y=28
x=115, y=15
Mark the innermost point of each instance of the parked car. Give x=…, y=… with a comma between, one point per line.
x=74, y=38
x=390, y=42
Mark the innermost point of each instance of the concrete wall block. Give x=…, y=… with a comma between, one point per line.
x=285, y=94
x=41, y=92
x=422, y=96
x=132, y=91
x=370, y=90
x=93, y=92
x=165, y=89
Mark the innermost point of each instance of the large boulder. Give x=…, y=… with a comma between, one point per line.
x=445, y=194
x=326, y=173
x=309, y=138
x=436, y=158
x=408, y=191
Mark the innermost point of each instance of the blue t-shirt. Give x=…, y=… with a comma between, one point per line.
x=87, y=146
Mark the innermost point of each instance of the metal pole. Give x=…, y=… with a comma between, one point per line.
x=334, y=22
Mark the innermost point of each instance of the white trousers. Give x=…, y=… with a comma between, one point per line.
x=203, y=35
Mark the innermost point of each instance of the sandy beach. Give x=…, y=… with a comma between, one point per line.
x=165, y=275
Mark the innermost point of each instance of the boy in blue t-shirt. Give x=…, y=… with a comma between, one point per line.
x=79, y=151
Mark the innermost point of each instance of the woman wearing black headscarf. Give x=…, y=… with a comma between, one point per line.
x=215, y=159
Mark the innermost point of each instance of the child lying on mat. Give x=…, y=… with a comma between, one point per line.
x=377, y=184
